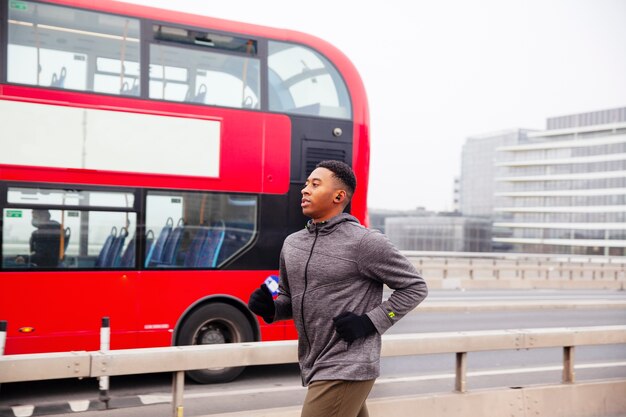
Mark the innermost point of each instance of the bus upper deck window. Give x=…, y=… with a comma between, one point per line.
x=62, y=47
x=302, y=81
x=204, y=68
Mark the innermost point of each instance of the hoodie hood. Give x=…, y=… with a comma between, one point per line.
x=328, y=226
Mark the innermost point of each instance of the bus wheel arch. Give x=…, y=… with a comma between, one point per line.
x=216, y=320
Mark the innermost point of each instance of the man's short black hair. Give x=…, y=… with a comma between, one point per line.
x=342, y=172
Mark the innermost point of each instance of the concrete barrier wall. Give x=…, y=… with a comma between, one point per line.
x=591, y=399
x=573, y=400
x=454, y=270
x=437, y=283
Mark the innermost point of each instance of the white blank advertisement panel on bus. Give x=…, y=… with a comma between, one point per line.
x=108, y=140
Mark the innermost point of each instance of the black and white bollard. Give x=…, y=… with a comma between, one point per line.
x=3, y=336
x=105, y=346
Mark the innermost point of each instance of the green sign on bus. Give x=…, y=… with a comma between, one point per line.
x=19, y=5
x=14, y=213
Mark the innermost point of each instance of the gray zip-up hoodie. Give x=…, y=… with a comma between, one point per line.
x=337, y=266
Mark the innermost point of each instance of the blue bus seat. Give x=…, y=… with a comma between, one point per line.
x=149, y=242
x=201, y=95
x=236, y=236
x=59, y=81
x=195, y=247
x=102, y=256
x=212, y=246
x=172, y=245
x=156, y=249
x=114, y=256
x=128, y=257
x=132, y=90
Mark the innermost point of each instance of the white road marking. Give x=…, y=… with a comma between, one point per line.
x=80, y=405
x=155, y=398
x=23, y=410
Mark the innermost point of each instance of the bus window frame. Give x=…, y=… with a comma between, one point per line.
x=4, y=41
x=224, y=265
x=139, y=208
x=147, y=38
x=4, y=46
x=330, y=62
x=137, y=205
x=147, y=42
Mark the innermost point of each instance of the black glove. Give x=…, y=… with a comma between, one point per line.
x=350, y=327
x=261, y=303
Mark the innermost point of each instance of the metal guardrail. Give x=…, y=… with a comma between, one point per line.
x=431, y=305
x=31, y=367
x=552, y=257
x=497, y=266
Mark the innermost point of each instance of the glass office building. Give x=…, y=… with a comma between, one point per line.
x=439, y=233
x=564, y=190
x=478, y=157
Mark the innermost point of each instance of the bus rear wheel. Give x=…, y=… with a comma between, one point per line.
x=215, y=324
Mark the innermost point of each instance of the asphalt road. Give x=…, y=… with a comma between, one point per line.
x=274, y=386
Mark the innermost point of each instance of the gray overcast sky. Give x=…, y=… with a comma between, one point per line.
x=439, y=71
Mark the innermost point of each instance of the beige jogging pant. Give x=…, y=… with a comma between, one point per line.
x=337, y=399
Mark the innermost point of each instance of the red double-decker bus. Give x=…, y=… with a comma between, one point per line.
x=151, y=165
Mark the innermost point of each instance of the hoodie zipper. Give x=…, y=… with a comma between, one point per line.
x=306, y=270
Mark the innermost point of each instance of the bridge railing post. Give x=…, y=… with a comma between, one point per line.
x=569, y=375
x=178, y=388
x=461, y=372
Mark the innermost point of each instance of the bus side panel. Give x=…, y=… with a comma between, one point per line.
x=64, y=309
x=181, y=291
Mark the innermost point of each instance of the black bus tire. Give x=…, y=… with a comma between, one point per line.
x=215, y=323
